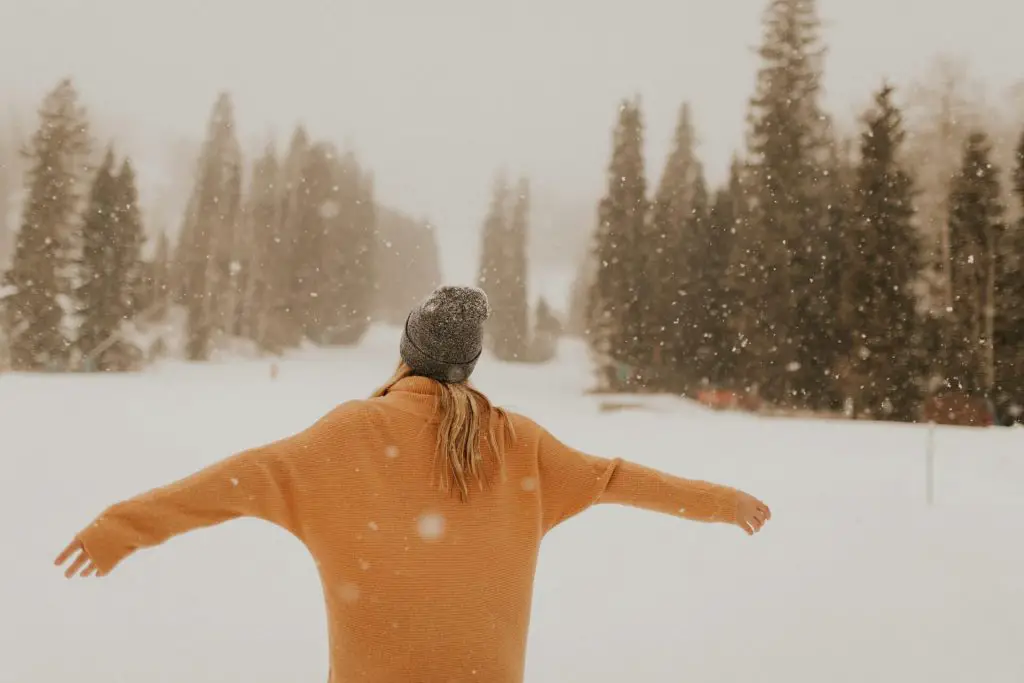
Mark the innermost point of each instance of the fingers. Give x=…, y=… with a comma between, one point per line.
x=78, y=563
x=82, y=563
x=66, y=553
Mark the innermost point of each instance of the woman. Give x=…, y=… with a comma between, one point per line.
x=424, y=508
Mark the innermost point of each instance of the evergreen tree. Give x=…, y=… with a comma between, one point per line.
x=724, y=220
x=489, y=274
x=883, y=262
x=205, y=251
x=157, y=297
x=618, y=295
x=39, y=274
x=975, y=227
x=348, y=277
x=95, y=295
x=503, y=269
x=293, y=197
x=512, y=308
x=676, y=317
x=267, y=272
x=788, y=238
x=315, y=207
x=130, y=238
x=1009, y=314
x=110, y=268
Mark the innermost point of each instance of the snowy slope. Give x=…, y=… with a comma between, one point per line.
x=855, y=579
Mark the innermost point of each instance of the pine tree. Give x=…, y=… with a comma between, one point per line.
x=676, y=317
x=1009, y=313
x=266, y=273
x=512, y=308
x=788, y=237
x=975, y=227
x=883, y=262
x=332, y=217
x=620, y=289
x=39, y=275
x=110, y=268
x=315, y=207
x=158, y=284
x=131, y=236
x=292, y=196
x=205, y=251
x=96, y=298
x=489, y=274
x=724, y=219
x=502, y=273
x=348, y=284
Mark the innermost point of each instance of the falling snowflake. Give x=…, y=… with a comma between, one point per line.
x=348, y=592
x=430, y=526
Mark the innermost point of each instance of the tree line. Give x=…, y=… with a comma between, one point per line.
x=815, y=278
x=279, y=251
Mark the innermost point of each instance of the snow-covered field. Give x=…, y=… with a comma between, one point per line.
x=855, y=579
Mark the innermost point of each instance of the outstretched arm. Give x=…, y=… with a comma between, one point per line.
x=572, y=481
x=260, y=482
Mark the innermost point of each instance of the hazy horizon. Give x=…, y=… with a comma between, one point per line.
x=436, y=98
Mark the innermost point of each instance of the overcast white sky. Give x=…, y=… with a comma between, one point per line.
x=435, y=95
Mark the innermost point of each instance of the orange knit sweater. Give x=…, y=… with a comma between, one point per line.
x=419, y=585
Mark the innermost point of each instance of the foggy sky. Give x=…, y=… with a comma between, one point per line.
x=434, y=96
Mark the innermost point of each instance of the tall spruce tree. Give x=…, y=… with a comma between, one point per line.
x=40, y=271
x=618, y=294
x=96, y=296
x=346, y=290
x=292, y=197
x=883, y=262
x=1009, y=314
x=110, y=268
x=491, y=269
x=158, y=278
x=512, y=310
x=206, y=248
x=676, y=315
x=503, y=268
x=317, y=206
x=788, y=237
x=724, y=220
x=975, y=227
x=267, y=275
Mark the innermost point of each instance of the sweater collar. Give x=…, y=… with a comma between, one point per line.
x=417, y=385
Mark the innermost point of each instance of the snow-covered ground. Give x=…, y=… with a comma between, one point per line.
x=855, y=579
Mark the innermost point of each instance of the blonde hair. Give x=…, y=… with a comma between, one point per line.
x=467, y=418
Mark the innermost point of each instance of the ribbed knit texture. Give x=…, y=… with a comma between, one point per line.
x=420, y=587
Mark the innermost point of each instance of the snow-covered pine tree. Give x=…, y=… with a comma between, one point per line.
x=39, y=278
x=205, y=256
x=975, y=227
x=785, y=300
x=677, y=317
x=883, y=262
x=617, y=298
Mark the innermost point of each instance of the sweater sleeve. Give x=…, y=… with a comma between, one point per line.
x=572, y=481
x=260, y=482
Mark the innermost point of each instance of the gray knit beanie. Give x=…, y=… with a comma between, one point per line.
x=443, y=337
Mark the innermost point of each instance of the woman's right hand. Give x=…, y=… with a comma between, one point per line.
x=751, y=514
x=82, y=561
